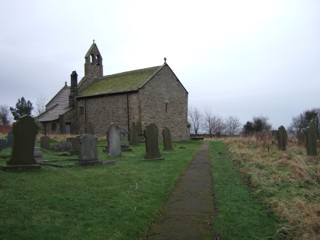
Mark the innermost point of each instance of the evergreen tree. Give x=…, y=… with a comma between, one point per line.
x=22, y=108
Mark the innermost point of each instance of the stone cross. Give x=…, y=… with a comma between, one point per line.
x=152, y=147
x=113, y=137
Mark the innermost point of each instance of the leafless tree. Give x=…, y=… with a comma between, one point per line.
x=40, y=105
x=232, y=125
x=213, y=124
x=4, y=115
x=195, y=117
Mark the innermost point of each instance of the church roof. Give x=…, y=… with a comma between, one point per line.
x=120, y=82
x=57, y=106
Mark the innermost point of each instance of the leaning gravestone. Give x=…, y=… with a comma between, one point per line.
x=152, y=147
x=24, y=132
x=88, y=150
x=113, y=137
x=167, y=143
x=134, y=135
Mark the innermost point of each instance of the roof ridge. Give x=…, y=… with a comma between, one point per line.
x=130, y=71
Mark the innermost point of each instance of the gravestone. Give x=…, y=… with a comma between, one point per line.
x=75, y=142
x=311, y=139
x=124, y=141
x=64, y=147
x=45, y=142
x=88, y=150
x=282, y=138
x=10, y=139
x=167, y=143
x=37, y=153
x=134, y=135
x=24, y=132
x=113, y=137
x=152, y=147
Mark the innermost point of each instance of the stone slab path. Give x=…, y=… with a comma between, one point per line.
x=189, y=210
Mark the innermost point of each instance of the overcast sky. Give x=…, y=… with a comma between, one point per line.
x=236, y=58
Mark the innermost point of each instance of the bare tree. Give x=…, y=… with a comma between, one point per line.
x=213, y=124
x=4, y=115
x=195, y=117
x=40, y=105
x=232, y=125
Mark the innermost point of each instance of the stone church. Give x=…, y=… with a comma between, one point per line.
x=140, y=97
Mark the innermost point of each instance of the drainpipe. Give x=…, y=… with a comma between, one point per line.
x=128, y=113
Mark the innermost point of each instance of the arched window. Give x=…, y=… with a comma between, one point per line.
x=98, y=62
x=92, y=58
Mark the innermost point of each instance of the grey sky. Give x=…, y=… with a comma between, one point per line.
x=240, y=58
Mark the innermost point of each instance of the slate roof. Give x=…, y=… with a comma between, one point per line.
x=120, y=82
x=58, y=105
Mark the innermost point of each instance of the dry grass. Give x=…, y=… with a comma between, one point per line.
x=287, y=181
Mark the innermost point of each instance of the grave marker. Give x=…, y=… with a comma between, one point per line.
x=113, y=137
x=152, y=147
x=24, y=132
x=167, y=143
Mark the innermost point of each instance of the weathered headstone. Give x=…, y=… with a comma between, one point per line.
x=45, y=142
x=311, y=139
x=152, y=147
x=75, y=142
x=167, y=143
x=134, y=135
x=282, y=138
x=24, y=132
x=124, y=141
x=10, y=139
x=113, y=137
x=88, y=150
x=64, y=146
x=37, y=153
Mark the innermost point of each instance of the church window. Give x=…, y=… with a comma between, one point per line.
x=81, y=110
x=98, y=60
x=92, y=58
x=167, y=103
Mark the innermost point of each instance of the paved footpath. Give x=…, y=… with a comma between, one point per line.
x=188, y=212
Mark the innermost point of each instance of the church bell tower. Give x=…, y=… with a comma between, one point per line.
x=93, y=62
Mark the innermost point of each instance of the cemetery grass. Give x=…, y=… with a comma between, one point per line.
x=287, y=183
x=237, y=214
x=117, y=201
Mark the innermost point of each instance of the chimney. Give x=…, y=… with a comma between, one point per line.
x=73, y=89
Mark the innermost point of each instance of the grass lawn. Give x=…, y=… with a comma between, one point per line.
x=239, y=215
x=100, y=202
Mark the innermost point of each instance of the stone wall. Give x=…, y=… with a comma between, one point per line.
x=102, y=111
x=164, y=101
